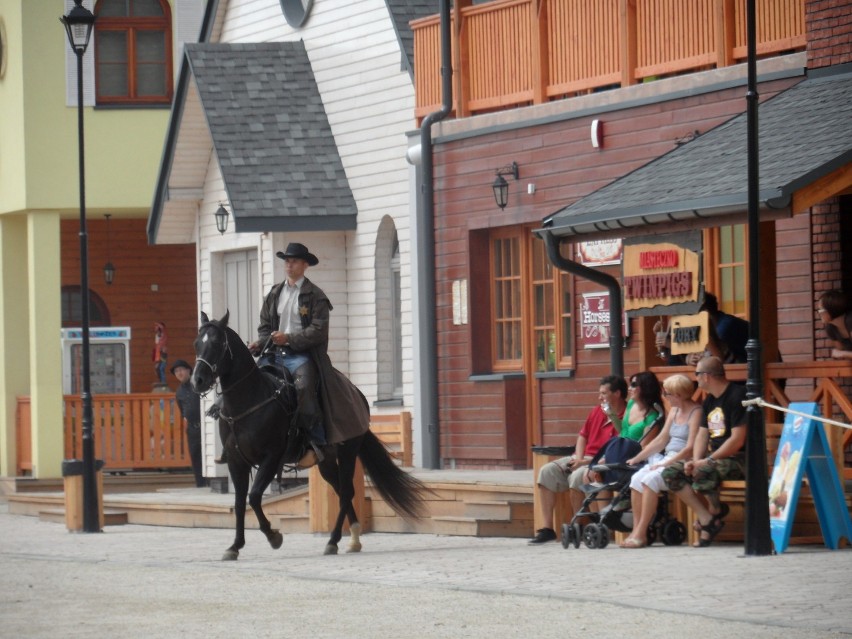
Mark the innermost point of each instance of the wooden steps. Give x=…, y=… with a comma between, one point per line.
x=467, y=508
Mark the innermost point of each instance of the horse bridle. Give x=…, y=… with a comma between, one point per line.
x=227, y=349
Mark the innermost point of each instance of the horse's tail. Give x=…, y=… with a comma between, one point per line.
x=401, y=490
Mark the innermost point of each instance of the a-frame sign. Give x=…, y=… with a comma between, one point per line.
x=804, y=449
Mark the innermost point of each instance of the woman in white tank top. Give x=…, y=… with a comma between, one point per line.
x=674, y=443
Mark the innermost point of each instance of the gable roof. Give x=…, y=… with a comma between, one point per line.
x=804, y=135
x=278, y=157
x=402, y=12
x=259, y=109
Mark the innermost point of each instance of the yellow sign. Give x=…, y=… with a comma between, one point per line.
x=689, y=333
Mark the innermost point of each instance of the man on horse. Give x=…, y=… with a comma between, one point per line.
x=293, y=334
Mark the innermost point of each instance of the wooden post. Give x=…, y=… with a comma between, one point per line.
x=627, y=39
x=73, y=480
x=563, y=511
x=324, y=504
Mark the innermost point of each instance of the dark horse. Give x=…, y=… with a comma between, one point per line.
x=255, y=429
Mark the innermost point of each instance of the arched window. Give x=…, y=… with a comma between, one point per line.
x=72, y=308
x=133, y=52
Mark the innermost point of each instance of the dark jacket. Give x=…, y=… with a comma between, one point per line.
x=346, y=413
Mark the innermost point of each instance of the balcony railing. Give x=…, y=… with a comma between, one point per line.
x=131, y=432
x=510, y=53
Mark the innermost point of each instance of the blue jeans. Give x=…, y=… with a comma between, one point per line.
x=305, y=379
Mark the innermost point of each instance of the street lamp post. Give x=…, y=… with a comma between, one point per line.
x=78, y=25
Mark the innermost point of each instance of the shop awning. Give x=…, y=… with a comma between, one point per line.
x=805, y=142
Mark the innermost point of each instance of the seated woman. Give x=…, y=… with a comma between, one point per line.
x=835, y=310
x=641, y=418
x=674, y=443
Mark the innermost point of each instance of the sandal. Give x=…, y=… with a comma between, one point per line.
x=712, y=529
x=724, y=510
x=632, y=543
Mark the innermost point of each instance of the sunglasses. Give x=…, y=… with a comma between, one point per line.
x=633, y=383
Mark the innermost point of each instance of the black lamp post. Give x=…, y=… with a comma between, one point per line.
x=78, y=24
x=758, y=540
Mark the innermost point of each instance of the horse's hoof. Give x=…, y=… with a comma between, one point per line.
x=231, y=555
x=330, y=549
x=354, y=547
x=276, y=539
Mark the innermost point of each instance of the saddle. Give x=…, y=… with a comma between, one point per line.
x=298, y=440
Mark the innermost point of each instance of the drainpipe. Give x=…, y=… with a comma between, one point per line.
x=616, y=354
x=426, y=252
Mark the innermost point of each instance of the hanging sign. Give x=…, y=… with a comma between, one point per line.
x=689, y=333
x=594, y=320
x=659, y=274
x=599, y=252
x=803, y=448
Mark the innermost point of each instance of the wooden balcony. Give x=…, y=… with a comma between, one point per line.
x=512, y=53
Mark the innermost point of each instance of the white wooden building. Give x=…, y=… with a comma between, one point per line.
x=247, y=132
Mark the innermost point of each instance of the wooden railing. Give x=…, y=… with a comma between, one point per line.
x=808, y=381
x=510, y=53
x=131, y=432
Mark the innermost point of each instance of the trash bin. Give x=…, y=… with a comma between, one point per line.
x=72, y=474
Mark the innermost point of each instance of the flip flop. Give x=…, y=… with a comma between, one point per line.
x=632, y=543
x=724, y=510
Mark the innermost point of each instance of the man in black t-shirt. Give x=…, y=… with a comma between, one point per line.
x=718, y=453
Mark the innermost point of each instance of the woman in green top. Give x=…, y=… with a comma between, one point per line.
x=640, y=414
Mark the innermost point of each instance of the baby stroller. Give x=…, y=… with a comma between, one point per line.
x=616, y=514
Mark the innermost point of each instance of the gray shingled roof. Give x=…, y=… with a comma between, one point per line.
x=278, y=157
x=805, y=133
x=404, y=11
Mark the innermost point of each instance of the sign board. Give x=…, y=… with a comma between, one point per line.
x=689, y=333
x=599, y=252
x=659, y=274
x=804, y=449
x=594, y=320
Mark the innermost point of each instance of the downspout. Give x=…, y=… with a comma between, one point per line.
x=616, y=354
x=426, y=250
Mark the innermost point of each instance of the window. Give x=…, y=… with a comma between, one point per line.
x=726, y=269
x=532, y=304
x=133, y=55
x=72, y=308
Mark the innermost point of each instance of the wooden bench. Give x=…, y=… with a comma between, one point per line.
x=394, y=430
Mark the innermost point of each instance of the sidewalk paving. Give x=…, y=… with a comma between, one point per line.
x=150, y=581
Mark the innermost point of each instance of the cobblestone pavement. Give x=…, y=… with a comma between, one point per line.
x=150, y=581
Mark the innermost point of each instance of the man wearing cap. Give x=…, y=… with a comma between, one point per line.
x=293, y=334
x=189, y=403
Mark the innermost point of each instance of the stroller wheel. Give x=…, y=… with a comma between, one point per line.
x=605, y=536
x=651, y=534
x=567, y=530
x=592, y=536
x=576, y=534
x=674, y=533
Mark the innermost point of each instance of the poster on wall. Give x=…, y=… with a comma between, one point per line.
x=594, y=321
x=600, y=252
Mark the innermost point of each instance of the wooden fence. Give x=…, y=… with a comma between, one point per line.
x=509, y=53
x=140, y=431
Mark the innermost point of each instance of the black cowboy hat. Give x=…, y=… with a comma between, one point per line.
x=294, y=249
x=179, y=363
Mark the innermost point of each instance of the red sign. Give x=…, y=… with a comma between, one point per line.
x=594, y=320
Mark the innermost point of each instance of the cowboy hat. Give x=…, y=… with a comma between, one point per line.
x=300, y=251
x=179, y=363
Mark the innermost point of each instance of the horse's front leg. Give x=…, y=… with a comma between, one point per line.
x=240, y=477
x=264, y=476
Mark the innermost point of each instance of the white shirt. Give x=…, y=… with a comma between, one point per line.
x=288, y=307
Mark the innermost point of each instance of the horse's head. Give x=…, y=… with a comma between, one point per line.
x=213, y=356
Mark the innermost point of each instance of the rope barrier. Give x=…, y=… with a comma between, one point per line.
x=764, y=404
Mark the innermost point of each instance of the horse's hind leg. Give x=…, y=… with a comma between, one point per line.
x=340, y=477
x=264, y=476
